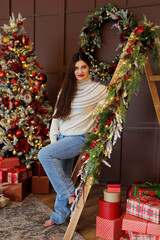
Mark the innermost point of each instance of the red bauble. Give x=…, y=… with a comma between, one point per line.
x=19, y=23
x=2, y=74
x=22, y=58
x=37, y=85
x=42, y=77
x=13, y=80
x=19, y=133
x=16, y=103
x=33, y=74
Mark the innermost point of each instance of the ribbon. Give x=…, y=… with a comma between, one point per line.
x=17, y=171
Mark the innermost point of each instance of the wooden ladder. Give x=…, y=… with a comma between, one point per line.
x=152, y=79
x=156, y=101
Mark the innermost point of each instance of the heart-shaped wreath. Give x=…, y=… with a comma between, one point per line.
x=90, y=37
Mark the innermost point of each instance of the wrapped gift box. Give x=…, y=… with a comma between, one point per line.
x=144, y=207
x=141, y=236
x=17, y=192
x=38, y=169
x=41, y=184
x=109, y=229
x=111, y=196
x=149, y=189
x=109, y=210
x=3, y=201
x=19, y=174
x=9, y=162
x=136, y=224
x=3, y=176
x=114, y=188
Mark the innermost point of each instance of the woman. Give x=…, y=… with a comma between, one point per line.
x=70, y=125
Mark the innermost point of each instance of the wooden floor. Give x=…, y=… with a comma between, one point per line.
x=87, y=223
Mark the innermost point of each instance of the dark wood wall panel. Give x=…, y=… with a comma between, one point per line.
x=141, y=108
x=110, y=42
x=47, y=7
x=151, y=12
x=139, y=156
x=112, y=174
x=141, y=3
x=117, y=3
x=72, y=41
x=47, y=42
x=4, y=9
x=80, y=6
x=52, y=86
x=26, y=8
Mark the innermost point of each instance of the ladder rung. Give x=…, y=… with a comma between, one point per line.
x=154, y=78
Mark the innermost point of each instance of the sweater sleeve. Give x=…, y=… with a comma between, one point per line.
x=54, y=130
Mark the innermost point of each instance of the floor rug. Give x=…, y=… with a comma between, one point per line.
x=24, y=221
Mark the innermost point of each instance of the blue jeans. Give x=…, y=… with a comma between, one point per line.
x=57, y=160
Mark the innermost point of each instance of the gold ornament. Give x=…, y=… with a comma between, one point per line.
x=1, y=133
x=3, y=61
x=6, y=39
x=28, y=166
x=28, y=59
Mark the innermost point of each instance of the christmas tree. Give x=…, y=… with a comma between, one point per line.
x=25, y=113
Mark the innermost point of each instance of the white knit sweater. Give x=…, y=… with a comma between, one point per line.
x=87, y=96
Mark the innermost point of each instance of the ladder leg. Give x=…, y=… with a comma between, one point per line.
x=77, y=211
x=77, y=168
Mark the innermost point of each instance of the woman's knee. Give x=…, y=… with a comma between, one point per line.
x=42, y=154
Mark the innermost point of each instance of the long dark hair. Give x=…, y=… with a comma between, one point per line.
x=69, y=87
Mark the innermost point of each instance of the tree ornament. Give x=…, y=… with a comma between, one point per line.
x=19, y=133
x=28, y=166
x=33, y=75
x=42, y=77
x=22, y=58
x=16, y=103
x=6, y=39
x=2, y=74
x=27, y=98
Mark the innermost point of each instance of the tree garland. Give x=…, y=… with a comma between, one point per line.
x=90, y=37
x=100, y=142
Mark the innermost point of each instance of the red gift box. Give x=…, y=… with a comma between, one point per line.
x=41, y=184
x=38, y=169
x=144, y=207
x=19, y=174
x=114, y=187
x=109, y=210
x=17, y=192
x=3, y=176
x=109, y=229
x=136, y=224
x=9, y=162
x=141, y=236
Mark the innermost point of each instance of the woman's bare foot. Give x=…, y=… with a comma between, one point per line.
x=48, y=223
x=71, y=199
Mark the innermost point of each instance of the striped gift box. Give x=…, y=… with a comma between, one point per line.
x=136, y=224
x=145, y=207
x=109, y=229
x=141, y=236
